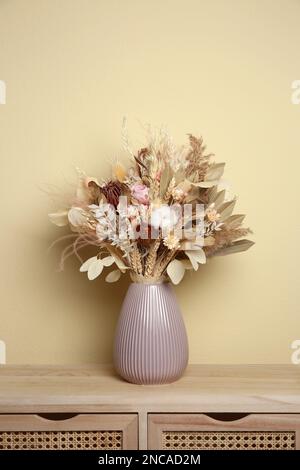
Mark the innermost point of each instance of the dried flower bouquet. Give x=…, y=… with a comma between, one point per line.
x=157, y=218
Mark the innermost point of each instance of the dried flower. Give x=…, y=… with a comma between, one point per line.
x=140, y=193
x=212, y=214
x=171, y=242
x=164, y=217
x=112, y=191
x=153, y=233
x=178, y=194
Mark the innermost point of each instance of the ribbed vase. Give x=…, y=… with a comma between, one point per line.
x=151, y=345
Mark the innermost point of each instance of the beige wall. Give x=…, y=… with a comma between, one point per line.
x=221, y=68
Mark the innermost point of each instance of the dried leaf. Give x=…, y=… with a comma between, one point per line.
x=209, y=241
x=234, y=221
x=114, y=276
x=212, y=193
x=175, y=271
x=59, y=218
x=235, y=247
x=85, y=266
x=107, y=261
x=186, y=263
x=206, y=184
x=165, y=179
x=215, y=172
x=95, y=269
x=119, y=262
x=196, y=256
x=76, y=216
x=219, y=198
x=225, y=210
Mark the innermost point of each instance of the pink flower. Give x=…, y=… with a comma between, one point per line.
x=140, y=192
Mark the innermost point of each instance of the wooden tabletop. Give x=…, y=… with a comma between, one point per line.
x=203, y=388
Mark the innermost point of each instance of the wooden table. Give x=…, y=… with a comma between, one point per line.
x=212, y=406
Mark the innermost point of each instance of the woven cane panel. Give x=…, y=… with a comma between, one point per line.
x=61, y=440
x=229, y=440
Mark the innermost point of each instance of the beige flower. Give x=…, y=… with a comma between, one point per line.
x=212, y=215
x=178, y=194
x=171, y=242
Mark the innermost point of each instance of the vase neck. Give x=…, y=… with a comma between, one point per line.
x=140, y=279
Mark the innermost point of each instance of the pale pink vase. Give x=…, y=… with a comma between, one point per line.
x=151, y=345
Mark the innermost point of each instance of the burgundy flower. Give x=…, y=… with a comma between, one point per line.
x=112, y=191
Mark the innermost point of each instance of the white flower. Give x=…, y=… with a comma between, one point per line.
x=164, y=217
x=171, y=242
x=103, y=210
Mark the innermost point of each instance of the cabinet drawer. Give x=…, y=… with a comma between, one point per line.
x=225, y=432
x=65, y=432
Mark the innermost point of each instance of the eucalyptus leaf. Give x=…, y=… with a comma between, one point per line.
x=119, y=262
x=85, y=266
x=113, y=276
x=95, y=269
x=196, y=256
x=186, y=263
x=175, y=271
x=108, y=261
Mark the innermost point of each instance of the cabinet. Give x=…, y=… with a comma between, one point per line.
x=253, y=407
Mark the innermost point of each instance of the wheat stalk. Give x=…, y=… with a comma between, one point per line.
x=151, y=258
x=169, y=191
x=136, y=260
x=164, y=261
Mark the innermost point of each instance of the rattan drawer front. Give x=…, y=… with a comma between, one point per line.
x=228, y=440
x=81, y=432
x=199, y=431
x=61, y=440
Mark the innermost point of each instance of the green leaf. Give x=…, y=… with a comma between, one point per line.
x=235, y=247
x=175, y=271
x=114, y=276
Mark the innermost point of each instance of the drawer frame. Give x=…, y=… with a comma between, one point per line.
x=158, y=423
x=126, y=423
